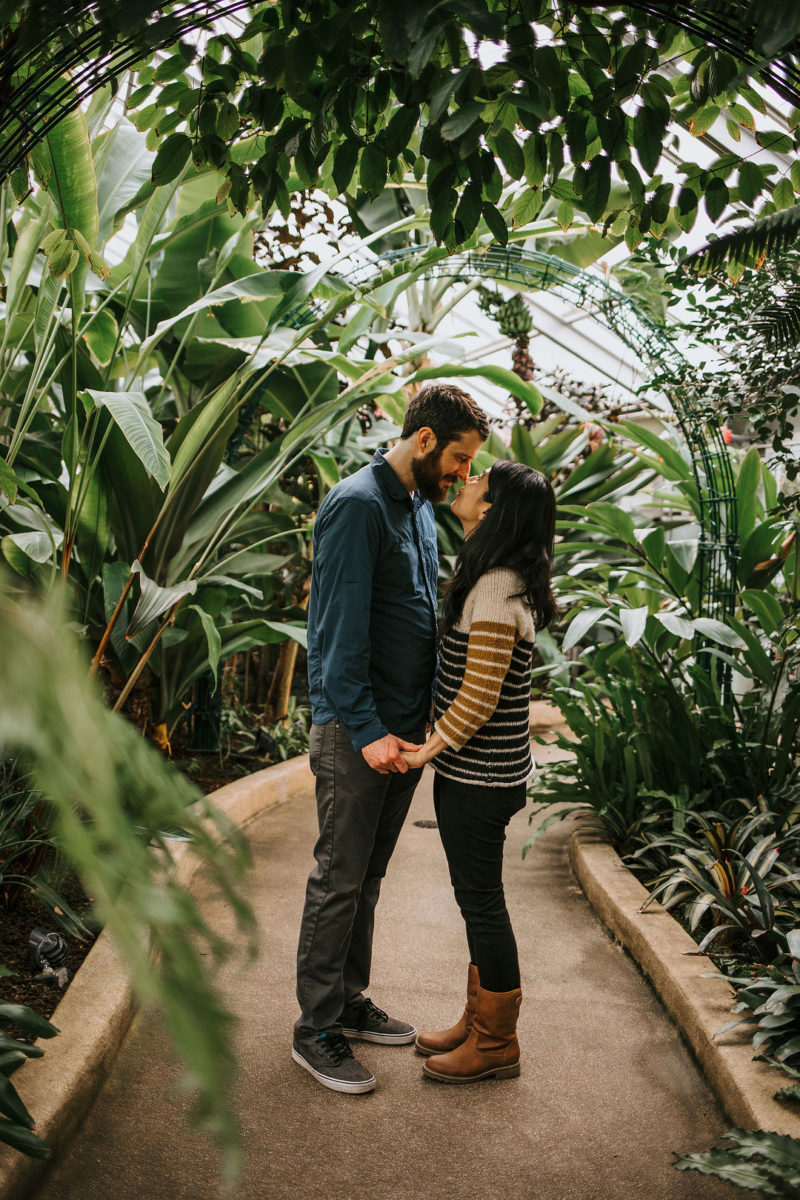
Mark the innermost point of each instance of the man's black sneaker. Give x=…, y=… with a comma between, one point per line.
x=363, y=1019
x=330, y=1060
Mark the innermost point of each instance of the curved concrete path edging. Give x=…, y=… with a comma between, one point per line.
x=98, y=1007
x=699, y=1005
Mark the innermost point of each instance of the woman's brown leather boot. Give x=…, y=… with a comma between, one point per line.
x=491, y=1047
x=448, y=1039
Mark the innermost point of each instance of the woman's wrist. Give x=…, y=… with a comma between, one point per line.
x=434, y=745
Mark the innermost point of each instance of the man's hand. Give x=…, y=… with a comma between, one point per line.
x=433, y=746
x=384, y=756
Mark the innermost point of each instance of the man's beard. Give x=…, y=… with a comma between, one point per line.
x=427, y=472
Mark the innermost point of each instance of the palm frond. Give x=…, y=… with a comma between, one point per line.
x=768, y=235
x=779, y=322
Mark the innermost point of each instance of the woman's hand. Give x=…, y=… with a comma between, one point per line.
x=414, y=758
x=433, y=746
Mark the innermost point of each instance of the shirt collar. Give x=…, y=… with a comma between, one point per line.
x=388, y=479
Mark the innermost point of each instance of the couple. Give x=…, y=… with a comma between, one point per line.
x=372, y=665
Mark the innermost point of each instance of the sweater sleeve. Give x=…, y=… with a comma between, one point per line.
x=493, y=633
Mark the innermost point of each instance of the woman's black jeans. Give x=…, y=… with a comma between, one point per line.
x=472, y=822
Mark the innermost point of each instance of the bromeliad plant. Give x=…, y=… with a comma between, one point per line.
x=772, y=1001
x=657, y=731
x=767, y=1163
x=694, y=771
x=633, y=591
x=736, y=872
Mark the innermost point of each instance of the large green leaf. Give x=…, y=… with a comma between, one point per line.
x=25, y=1140
x=717, y=631
x=154, y=600
x=197, y=431
x=27, y=1019
x=131, y=413
x=613, y=520
x=633, y=621
x=261, y=286
x=122, y=164
x=598, y=186
x=290, y=389
x=581, y=624
x=767, y=608
x=670, y=459
x=63, y=163
x=236, y=638
x=9, y=483
x=508, y=380
x=213, y=639
x=22, y=259
x=747, y=502
x=11, y=1106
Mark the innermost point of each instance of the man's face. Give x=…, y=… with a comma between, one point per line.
x=437, y=468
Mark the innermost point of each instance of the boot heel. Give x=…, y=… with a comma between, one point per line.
x=507, y=1072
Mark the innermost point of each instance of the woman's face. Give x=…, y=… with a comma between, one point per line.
x=471, y=505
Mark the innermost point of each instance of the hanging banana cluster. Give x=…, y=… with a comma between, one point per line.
x=514, y=321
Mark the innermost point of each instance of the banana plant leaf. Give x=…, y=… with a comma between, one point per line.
x=131, y=413
x=155, y=600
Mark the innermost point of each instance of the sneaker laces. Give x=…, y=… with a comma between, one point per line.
x=336, y=1046
x=372, y=1012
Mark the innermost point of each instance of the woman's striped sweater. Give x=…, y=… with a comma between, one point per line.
x=482, y=706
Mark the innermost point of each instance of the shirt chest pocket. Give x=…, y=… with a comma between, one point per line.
x=399, y=572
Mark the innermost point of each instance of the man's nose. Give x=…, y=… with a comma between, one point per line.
x=463, y=472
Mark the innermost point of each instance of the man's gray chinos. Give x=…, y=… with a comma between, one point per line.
x=372, y=657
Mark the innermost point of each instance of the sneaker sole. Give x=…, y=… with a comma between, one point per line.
x=510, y=1072
x=382, y=1039
x=336, y=1085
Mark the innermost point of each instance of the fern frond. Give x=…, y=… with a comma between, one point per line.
x=766, y=236
x=779, y=322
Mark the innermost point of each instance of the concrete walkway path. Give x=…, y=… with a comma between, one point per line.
x=606, y=1093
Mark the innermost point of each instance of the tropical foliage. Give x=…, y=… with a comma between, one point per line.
x=683, y=728
x=634, y=596
x=114, y=804
x=16, y=1123
x=173, y=409
x=772, y=1001
x=767, y=1163
x=366, y=96
x=170, y=423
x=743, y=368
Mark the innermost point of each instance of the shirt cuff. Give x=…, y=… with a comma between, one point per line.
x=363, y=735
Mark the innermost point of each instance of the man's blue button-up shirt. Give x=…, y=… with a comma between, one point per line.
x=372, y=608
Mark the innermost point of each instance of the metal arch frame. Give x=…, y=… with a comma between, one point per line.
x=711, y=463
x=30, y=109
x=722, y=31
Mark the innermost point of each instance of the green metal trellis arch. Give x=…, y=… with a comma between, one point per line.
x=711, y=464
x=54, y=72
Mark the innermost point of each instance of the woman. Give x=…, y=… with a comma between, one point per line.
x=480, y=746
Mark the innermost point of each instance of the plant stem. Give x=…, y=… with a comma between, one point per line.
x=142, y=663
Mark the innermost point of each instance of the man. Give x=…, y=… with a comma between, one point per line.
x=371, y=665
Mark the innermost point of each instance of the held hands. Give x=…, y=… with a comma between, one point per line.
x=384, y=755
x=433, y=746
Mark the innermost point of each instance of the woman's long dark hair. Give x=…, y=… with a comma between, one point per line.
x=517, y=532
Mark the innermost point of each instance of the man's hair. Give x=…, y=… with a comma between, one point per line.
x=446, y=410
